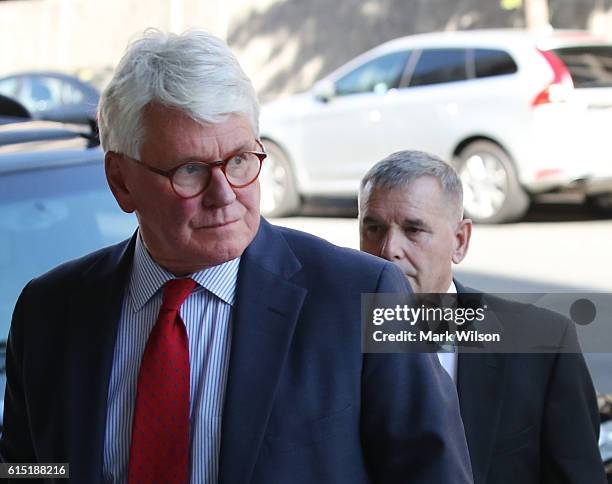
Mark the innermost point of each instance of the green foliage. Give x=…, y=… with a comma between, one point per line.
x=510, y=4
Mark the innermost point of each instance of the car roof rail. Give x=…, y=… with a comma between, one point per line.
x=13, y=112
x=19, y=136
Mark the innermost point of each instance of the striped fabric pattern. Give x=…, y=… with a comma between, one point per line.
x=207, y=314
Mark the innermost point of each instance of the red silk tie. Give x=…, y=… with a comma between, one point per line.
x=160, y=429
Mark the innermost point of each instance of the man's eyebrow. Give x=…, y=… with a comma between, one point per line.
x=415, y=223
x=246, y=146
x=368, y=219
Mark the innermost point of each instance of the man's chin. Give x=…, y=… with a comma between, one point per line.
x=413, y=283
x=222, y=247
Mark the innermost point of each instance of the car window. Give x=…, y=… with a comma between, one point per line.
x=9, y=87
x=49, y=216
x=382, y=73
x=71, y=94
x=45, y=93
x=436, y=66
x=590, y=66
x=493, y=62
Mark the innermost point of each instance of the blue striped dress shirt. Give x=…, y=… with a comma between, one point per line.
x=207, y=313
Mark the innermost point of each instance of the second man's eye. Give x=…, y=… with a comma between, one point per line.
x=374, y=231
x=412, y=230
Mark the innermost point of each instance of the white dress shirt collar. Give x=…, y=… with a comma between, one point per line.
x=148, y=277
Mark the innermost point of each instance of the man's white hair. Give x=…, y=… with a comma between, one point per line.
x=193, y=72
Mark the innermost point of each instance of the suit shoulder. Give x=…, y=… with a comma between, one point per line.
x=530, y=313
x=526, y=320
x=71, y=273
x=321, y=255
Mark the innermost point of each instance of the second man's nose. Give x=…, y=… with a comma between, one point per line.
x=392, y=248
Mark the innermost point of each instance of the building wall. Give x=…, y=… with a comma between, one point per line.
x=284, y=45
x=87, y=36
x=293, y=42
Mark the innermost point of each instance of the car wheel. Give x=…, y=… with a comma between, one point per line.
x=600, y=204
x=491, y=190
x=279, y=196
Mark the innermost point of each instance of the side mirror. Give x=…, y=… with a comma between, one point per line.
x=324, y=90
x=12, y=108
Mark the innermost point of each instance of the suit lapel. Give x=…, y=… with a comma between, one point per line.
x=268, y=307
x=93, y=320
x=480, y=383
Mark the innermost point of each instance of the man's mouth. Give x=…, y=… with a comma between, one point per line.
x=216, y=225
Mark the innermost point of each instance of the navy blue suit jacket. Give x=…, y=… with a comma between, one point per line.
x=302, y=404
x=529, y=418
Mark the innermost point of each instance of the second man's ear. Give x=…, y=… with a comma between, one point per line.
x=463, y=233
x=116, y=176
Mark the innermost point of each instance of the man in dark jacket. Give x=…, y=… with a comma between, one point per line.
x=529, y=418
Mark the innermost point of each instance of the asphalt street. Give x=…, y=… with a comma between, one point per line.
x=557, y=248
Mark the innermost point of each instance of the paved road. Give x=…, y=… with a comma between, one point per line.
x=558, y=248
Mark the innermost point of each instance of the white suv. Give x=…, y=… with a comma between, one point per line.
x=517, y=113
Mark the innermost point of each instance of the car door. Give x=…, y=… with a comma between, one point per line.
x=342, y=136
x=425, y=114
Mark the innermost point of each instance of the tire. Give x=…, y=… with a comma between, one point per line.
x=600, y=204
x=279, y=196
x=492, y=193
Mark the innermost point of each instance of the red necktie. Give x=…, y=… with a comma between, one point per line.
x=160, y=430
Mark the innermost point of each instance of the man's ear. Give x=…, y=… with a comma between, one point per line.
x=116, y=177
x=463, y=233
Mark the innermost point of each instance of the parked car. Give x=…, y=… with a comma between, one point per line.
x=605, y=432
x=55, y=205
x=52, y=96
x=517, y=113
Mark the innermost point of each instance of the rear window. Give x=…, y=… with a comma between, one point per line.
x=493, y=62
x=436, y=66
x=590, y=66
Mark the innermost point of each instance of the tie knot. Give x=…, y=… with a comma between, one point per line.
x=175, y=292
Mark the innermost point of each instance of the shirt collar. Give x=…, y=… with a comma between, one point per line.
x=452, y=289
x=148, y=277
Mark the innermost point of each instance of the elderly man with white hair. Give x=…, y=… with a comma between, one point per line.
x=213, y=346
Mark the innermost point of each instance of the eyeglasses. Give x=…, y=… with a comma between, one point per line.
x=190, y=179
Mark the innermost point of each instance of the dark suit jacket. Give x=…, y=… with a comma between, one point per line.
x=302, y=404
x=529, y=418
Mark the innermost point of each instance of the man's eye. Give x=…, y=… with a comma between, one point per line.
x=236, y=161
x=412, y=230
x=191, y=169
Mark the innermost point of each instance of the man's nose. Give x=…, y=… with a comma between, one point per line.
x=219, y=192
x=392, y=248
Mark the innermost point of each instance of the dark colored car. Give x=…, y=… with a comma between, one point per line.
x=52, y=96
x=55, y=205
